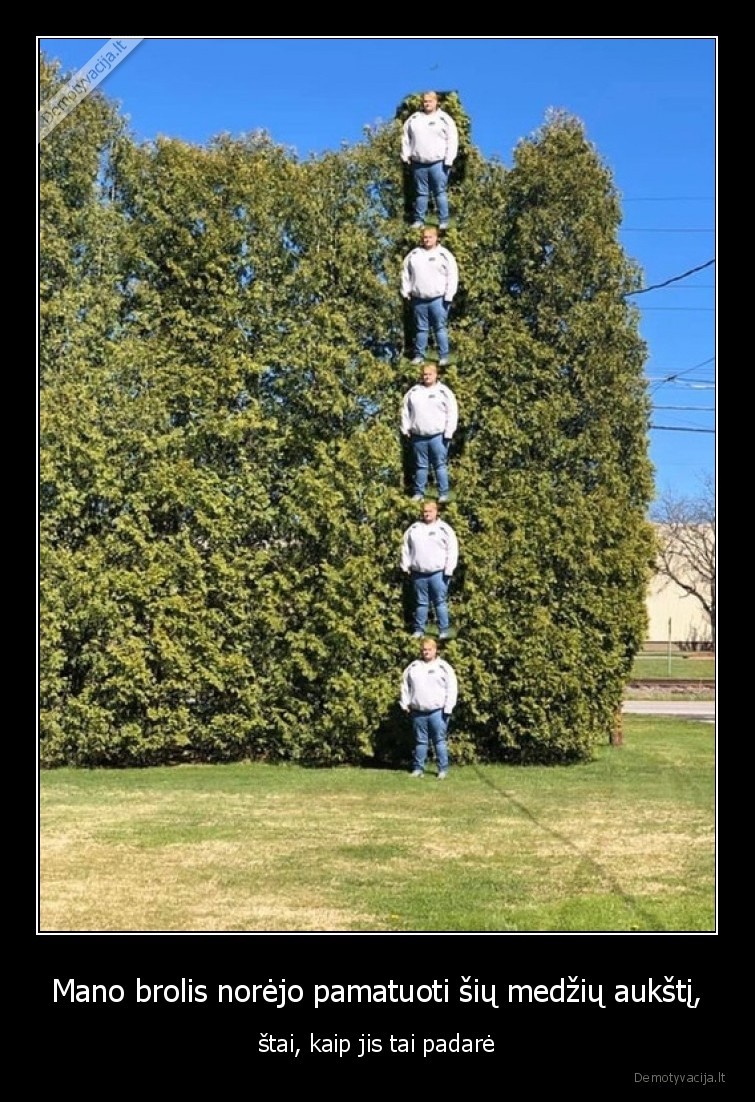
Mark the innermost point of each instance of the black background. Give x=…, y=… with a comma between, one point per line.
x=578, y=1046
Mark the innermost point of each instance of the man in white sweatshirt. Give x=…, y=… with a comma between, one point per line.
x=429, y=144
x=429, y=556
x=429, y=690
x=429, y=416
x=429, y=281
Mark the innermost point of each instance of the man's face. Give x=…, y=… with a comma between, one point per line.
x=429, y=374
x=429, y=239
x=429, y=102
x=428, y=650
x=429, y=512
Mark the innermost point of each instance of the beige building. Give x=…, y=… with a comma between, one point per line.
x=666, y=602
x=673, y=613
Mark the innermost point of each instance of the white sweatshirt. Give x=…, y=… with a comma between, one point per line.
x=428, y=548
x=429, y=410
x=429, y=273
x=427, y=686
x=427, y=138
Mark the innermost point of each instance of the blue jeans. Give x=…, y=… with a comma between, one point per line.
x=430, y=589
x=430, y=313
x=427, y=179
x=427, y=452
x=429, y=726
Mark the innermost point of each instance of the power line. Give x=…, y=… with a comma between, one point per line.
x=678, y=374
x=698, y=384
x=686, y=370
x=674, y=279
x=669, y=229
x=697, y=409
x=675, y=428
x=687, y=382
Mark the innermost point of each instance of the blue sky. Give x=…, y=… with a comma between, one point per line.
x=648, y=106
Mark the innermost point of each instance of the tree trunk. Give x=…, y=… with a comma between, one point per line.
x=617, y=734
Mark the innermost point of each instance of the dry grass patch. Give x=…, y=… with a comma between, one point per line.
x=212, y=886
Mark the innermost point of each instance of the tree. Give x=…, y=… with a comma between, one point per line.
x=687, y=545
x=555, y=471
x=220, y=470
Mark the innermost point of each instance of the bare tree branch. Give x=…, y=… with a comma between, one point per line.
x=687, y=546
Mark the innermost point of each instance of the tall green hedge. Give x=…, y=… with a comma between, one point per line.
x=221, y=498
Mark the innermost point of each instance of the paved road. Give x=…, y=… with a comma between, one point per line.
x=692, y=709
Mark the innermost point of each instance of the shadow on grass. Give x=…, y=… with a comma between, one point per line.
x=566, y=843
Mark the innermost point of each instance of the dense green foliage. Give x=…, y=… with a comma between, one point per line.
x=221, y=500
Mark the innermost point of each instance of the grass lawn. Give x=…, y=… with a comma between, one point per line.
x=625, y=842
x=682, y=666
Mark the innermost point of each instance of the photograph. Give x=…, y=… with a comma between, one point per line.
x=376, y=548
